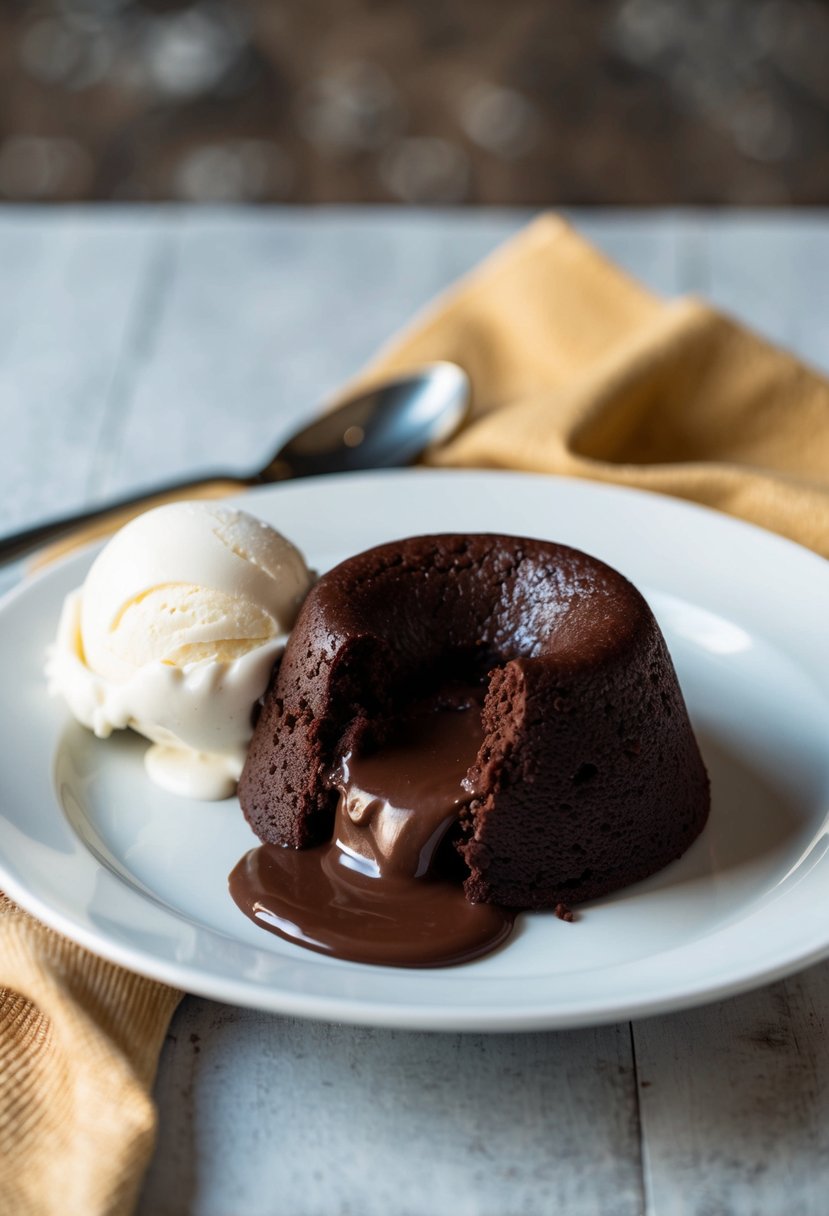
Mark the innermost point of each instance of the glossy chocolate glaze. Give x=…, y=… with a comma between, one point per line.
x=373, y=894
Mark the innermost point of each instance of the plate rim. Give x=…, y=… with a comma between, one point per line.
x=359, y=1011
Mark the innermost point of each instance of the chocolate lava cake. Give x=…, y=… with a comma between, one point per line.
x=588, y=777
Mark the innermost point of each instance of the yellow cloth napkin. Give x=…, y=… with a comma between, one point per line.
x=575, y=370
x=79, y=1045
x=580, y=371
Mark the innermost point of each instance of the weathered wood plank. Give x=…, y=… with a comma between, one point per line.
x=74, y=287
x=266, y=315
x=733, y=1097
x=264, y=1114
x=735, y=1104
x=660, y=248
x=269, y=312
x=772, y=271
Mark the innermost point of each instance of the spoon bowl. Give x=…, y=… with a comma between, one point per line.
x=386, y=426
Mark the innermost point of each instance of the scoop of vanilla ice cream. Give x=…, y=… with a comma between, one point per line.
x=175, y=632
x=188, y=583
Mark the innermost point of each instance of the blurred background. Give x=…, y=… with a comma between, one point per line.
x=442, y=101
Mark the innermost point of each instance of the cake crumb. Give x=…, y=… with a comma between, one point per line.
x=564, y=913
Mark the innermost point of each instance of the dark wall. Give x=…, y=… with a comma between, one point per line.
x=441, y=101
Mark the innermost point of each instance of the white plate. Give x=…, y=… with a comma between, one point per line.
x=89, y=846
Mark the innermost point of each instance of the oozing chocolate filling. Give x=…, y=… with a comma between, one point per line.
x=374, y=893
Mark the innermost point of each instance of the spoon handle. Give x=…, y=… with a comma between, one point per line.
x=87, y=526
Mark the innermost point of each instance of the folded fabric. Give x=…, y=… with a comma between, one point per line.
x=79, y=1046
x=575, y=370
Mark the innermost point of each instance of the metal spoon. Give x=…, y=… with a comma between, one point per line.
x=387, y=426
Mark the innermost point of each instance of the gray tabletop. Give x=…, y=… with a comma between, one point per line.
x=137, y=344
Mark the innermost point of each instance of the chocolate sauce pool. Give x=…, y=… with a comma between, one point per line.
x=370, y=894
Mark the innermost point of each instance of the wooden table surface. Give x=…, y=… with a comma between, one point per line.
x=140, y=343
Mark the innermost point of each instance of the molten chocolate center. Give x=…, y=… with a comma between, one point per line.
x=371, y=894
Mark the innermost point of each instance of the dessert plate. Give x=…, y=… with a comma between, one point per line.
x=138, y=876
